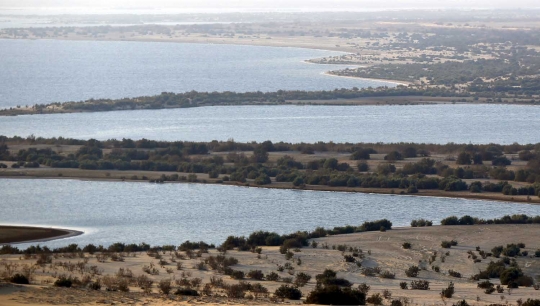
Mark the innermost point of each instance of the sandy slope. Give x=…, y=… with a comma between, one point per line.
x=381, y=249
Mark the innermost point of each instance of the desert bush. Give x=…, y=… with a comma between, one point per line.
x=200, y=265
x=144, y=282
x=387, y=294
x=485, y=284
x=301, y=279
x=44, y=259
x=236, y=291
x=406, y=245
x=420, y=285
x=255, y=274
x=287, y=280
x=19, y=279
x=448, y=244
x=369, y=271
x=237, y=274
x=404, y=285
x=364, y=288
x=448, y=292
x=531, y=302
x=259, y=290
x=96, y=285
x=334, y=295
x=412, y=271
x=454, y=273
x=63, y=281
x=387, y=274
x=272, y=276
x=217, y=282
x=186, y=292
x=289, y=255
x=375, y=299
x=165, y=286
x=288, y=292
x=328, y=277
x=349, y=258
x=396, y=303
x=207, y=289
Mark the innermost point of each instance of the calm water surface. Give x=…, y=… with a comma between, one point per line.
x=420, y=123
x=171, y=213
x=44, y=71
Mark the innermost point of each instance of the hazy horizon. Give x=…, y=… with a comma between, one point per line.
x=258, y=5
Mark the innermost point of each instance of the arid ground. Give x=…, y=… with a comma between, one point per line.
x=381, y=250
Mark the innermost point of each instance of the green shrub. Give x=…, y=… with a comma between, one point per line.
x=453, y=220
x=421, y=223
x=376, y=225
x=406, y=245
x=363, y=167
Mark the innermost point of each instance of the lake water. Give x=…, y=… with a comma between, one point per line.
x=503, y=124
x=109, y=212
x=44, y=71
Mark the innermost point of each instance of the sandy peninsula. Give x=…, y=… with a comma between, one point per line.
x=26, y=234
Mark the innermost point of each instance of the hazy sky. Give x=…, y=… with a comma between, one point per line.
x=270, y=4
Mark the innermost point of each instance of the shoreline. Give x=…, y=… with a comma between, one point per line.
x=434, y=193
x=396, y=82
x=31, y=234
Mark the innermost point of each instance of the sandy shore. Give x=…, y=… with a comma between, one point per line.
x=11, y=234
x=380, y=249
x=395, y=82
